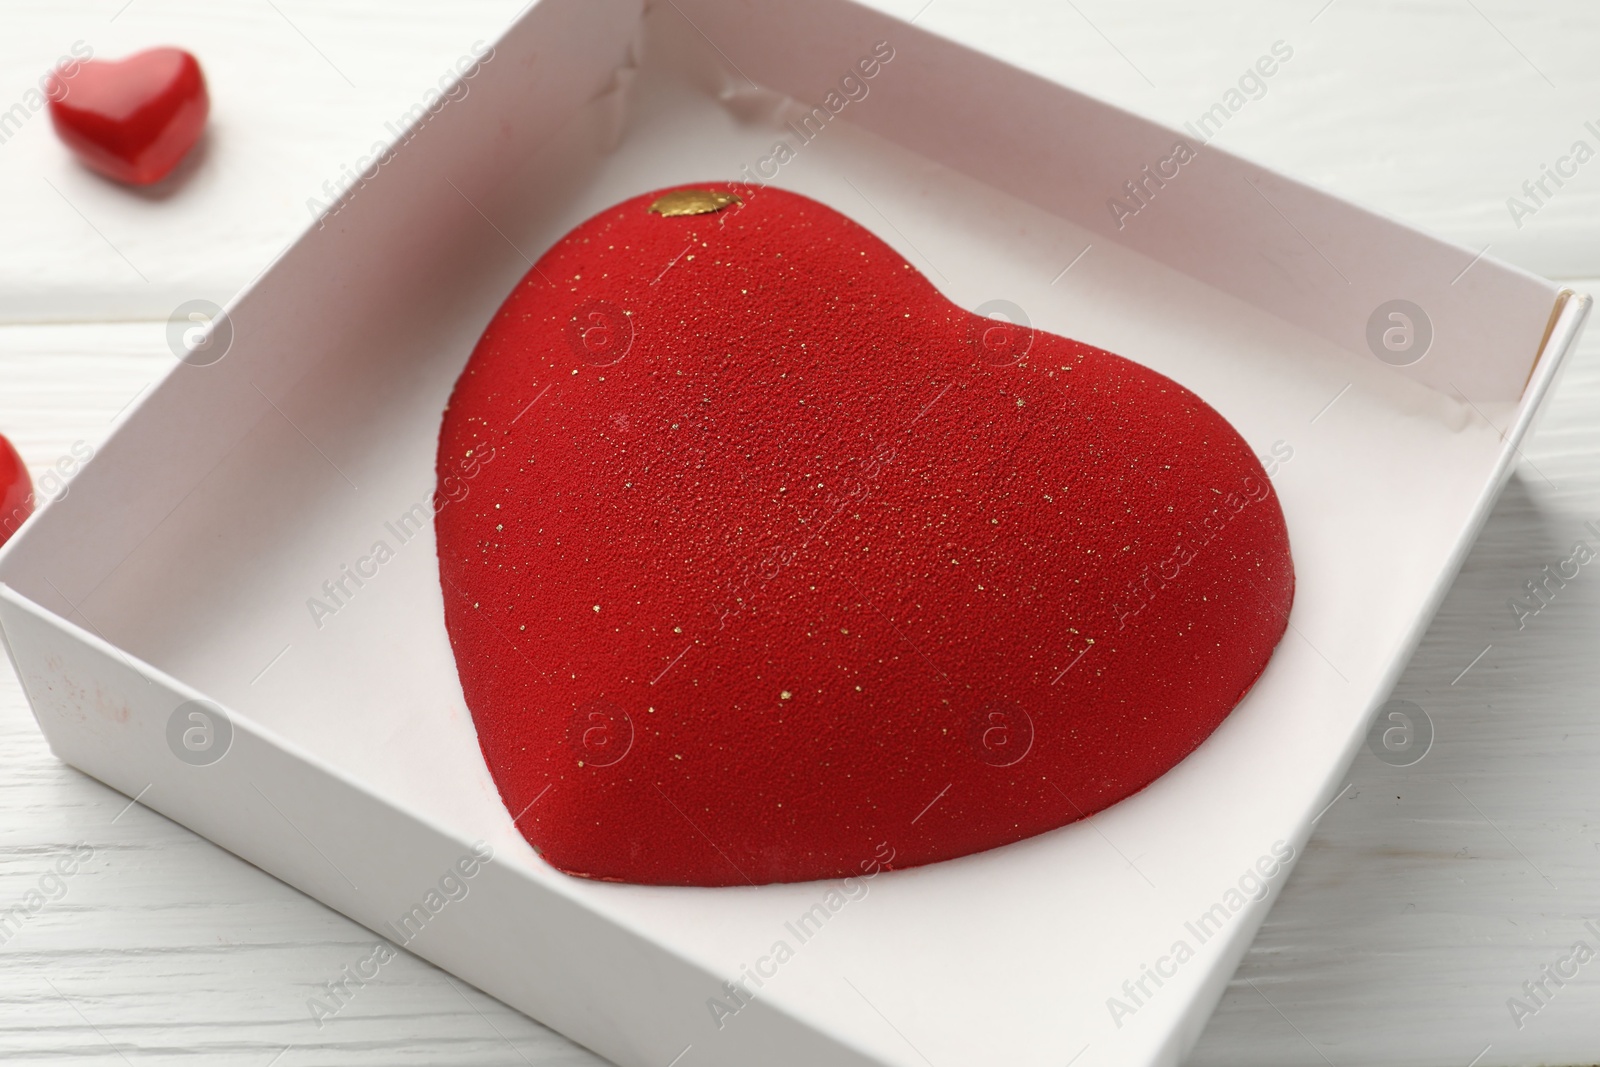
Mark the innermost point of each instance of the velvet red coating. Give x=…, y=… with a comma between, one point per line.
x=16, y=491
x=762, y=560
x=132, y=119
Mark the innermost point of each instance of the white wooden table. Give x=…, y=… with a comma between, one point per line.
x=1429, y=894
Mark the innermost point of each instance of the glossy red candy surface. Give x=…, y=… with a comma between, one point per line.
x=131, y=119
x=16, y=491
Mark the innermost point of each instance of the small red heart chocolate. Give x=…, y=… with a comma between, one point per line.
x=131, y=119
x=764, y=562
x=16, y=491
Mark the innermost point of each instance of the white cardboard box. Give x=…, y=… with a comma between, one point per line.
x=179, y=566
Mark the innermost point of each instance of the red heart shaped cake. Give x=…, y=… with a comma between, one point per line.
x=131, y=119
x=762, y=560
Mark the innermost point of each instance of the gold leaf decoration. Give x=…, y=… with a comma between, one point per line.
x=692, y=202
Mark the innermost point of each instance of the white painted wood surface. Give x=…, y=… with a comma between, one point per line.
x=1430, y=893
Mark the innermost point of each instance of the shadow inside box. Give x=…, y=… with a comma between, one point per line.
x=1475, y=859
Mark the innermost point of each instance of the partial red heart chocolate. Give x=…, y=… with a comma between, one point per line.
x=763, y=562
x=16, y=491
x=132, y=119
